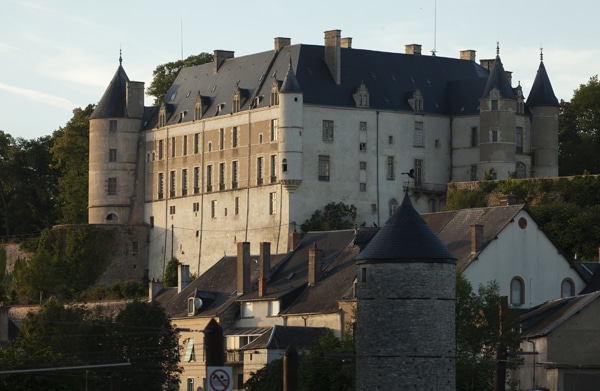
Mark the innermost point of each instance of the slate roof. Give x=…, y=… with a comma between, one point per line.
x=545, y=318
x=280, y=337
x=113, y=102
x=541, y=93
x=405, y=237
x=497, y=79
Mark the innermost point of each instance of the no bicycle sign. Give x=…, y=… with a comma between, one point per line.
x=219, y=379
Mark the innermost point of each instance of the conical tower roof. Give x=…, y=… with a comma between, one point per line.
x=541, y=93
x=405, y=238
x=290, y=83
x=113, y=102
x=498, y=80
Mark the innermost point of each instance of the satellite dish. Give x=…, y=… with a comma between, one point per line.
x=198, y=303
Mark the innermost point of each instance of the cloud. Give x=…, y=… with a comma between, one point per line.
x=38, y=96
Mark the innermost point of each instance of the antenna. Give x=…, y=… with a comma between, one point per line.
x=434, y=28
x=181, y=39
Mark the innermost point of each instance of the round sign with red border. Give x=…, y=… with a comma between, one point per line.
x=220, y=380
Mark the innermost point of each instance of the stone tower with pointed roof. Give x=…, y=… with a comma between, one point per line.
x=115, y=162
x=405, y=330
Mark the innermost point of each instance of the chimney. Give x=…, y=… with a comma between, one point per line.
x=281, y=42
x=476, y=237
x=507, y=200
x=488, y=64
x=154, y=289
x=294, y=240
x=264, y=264
x=346, y=43
x=243, y=268
x=413, y=48
x=183, y=277
x=468, y=55
x=333, y=54
x=219, y=56
x=135, y=99
x=315, y=265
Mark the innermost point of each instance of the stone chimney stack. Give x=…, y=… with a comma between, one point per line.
x=413, y=48
x=468, y=55
x=243, y=268
x=264, y=264
x=476, y=237
x=333, y=54
x=183, y=277
x=315, y=265
x=294, y=240
x=135, y=99
x=488, y=63
x=346, y=43
x=281, y=42
x=154, y=289
x=220, y=56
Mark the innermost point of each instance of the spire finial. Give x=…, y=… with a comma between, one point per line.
x=541, y=54
x=290, y=63
x=497, y=48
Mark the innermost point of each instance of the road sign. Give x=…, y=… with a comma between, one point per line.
x=219, y=379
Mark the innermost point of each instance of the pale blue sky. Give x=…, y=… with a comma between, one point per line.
x=57, y=55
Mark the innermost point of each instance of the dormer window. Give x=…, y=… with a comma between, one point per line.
x=361, y=96
x=162, y=116
x=416, y=101
x=198, y=109
x=236, y=100
x=274, y=98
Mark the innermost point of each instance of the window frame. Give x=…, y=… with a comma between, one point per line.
x=328, y=130
x=324, y=168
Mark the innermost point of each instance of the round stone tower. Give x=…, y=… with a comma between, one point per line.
x=114, y=161
x=405, y=326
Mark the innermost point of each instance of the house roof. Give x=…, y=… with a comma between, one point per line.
x=541, y=93
x=113, y=103
x=280, y=337
x=545, y=318
x=405, y=237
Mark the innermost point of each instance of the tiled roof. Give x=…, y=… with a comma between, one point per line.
x=497, y=79
x=113, y=102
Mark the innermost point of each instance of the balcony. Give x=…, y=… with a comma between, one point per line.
x=235, y=357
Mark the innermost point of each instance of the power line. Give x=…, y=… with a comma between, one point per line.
x=64, y=368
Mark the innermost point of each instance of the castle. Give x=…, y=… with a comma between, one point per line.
x=246, y=149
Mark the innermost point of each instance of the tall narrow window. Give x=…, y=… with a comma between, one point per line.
x=172, y=184
x=196, y=143
x=517, y=291
x=112, y=186
x=209, y=175
x=112, y=125
x=273, y=129
x=494, y=104
x=390, y=174
x=234, y=174
x=494, y=135
x=184, y=179
x=418, y=137
x=161, y=185
x=221, y=176
x=185, y=145
x=473, y=172
x=324, y=168
x=221, y=138
x=272, y=203
x=567, y=288
x=160, y=149
x=519, y=139
x=172, y=146
x=259, y=171
x=112, y=155
x=234, y=137
x=521, y=170
x=327, y=130
x=474, y=138
x=393, y=205
x=196, y=180
x=213, y=209
x=273, y=168
x=236, y=206
x=418, y=172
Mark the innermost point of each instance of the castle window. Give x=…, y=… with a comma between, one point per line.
x=272, y=203
x=363, y=126
x=494, y=104
x=160, y=149
x=172, y=146
x=418, y=172
x=196, y=143
x=390, y=175
x=234, y=174
x=373, y=208
x=260, y=138
x=185, y=145
x=112, y=155
x=362, y=187
x=151, y=221
x=236, y=206
x=236, y=102
x=520, y=170
x=567, y=288
x=494, y=135
x=273, y=168
x=274, y=97
x=520, y=107
x=324, y=168
x=112, y=125
x=473, y=172
x=418, y=135
x=172, y=209
x=519, y=139
x=393, y=205
x=363, y=274
x=259, y=170
x=221, y=176
x=213, y=209
x=209, y=174
x=184, y=174
x=390, y=140
x=362, y=165
x=196, y=180
x=362, y=147
x=161, y=185
x=172, y=184
x=234, y=137
x=112, y=186
x=273, y=129
x=361, y=96
x=474, y=138
x=221, y=138
x=196, y=207
x=112, y=217
x=327, y=130
x=517, y=291
x=284, y=165
x=134, y=248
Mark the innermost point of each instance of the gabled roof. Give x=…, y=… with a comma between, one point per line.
x=113, y=102
x=280, y=337
x=405, y=237
x=545, y=318
x=497, y=79
x=541, y=93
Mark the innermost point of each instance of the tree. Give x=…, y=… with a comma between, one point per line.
x=335, y=216
x=164, y=75
x=171, y=272
x=478, y=324
x=70, y=152
x=579, y=131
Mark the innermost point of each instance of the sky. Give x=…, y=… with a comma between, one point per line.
x=58, y=55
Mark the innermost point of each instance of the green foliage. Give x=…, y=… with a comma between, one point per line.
x=464, y=198
x=165, y=74
x=171, y=272
x=119, y=290
x=59, y=336
x=480, y=328
x=70, y=153
x=268, y=378
x=335, y=216
x=579, y=131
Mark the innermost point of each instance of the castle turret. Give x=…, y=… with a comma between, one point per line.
x=497, y=131
x=115, y=192
x=405, y=335
x=543, y=106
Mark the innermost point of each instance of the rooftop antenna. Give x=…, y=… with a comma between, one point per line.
x=434, y=28
x=181, y=39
